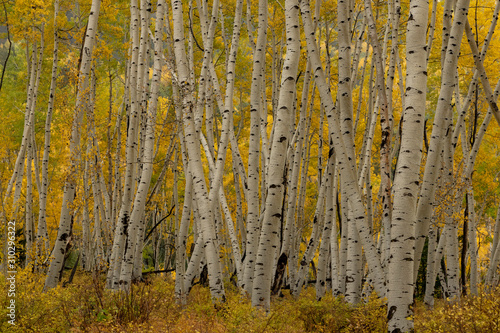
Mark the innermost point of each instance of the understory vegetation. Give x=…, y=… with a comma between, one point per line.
x=85, y=306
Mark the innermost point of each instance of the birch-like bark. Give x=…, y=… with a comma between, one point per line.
x=295, y=153
x=318, y=221
x=472, y=241
x=66, y=218
x=97, y=252
x=181, y=238
x=42, y=237
x=256, y=107
x=30, y=156
x=324, y=255
x=434, y=256
x=28, y=222
x=268, y=242
x=385, y=119
x=452, y=255
x=439, y=131
x=133, y=253
x=354, y=260
x=16, y=180
x=334, y=241
x=101, y=215
x=17, y=175
x=346, y=166
x=478, y=61
x=406, y=180
x=492, y=272
x=227, y=216
x=87, y=255
x=473, y=84
x=195, y=164
x=123, y=223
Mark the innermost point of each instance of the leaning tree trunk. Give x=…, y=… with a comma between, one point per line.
x=66, y=218
x=439, y=131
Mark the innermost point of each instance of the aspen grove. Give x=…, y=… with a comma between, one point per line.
x=352, y=146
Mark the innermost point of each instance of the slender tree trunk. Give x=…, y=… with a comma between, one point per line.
x=42, y=237
x=122, y=228
x=256, y=107
x=346, y=167
x=210, y=243
x=268, y=243
x=66, y=218
x=439, y=131
x=133, y=253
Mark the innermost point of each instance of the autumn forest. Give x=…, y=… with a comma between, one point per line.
x=249, y=166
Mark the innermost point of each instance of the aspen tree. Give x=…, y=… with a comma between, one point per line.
x=17, y=175
x=472, y=242
x=256, y=107
x=268, y=241
x=354, y=258
x=492, y=273
x=28, y=220
x=100, y=210
x=133, y=253
x=439, y=130
x=123, y=224
x=346, y=166
x=31, y=154
x=227, y=216
x=16, y=180
x=434, y=255
x=66, y=219
x=42, y=237
x=385, y=120
x=195, y=165
x=325, y=252
x=295, y=153
x=318, y=222
x=87, y=255
x=400, y=269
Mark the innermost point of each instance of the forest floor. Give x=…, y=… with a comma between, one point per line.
x=84, y=306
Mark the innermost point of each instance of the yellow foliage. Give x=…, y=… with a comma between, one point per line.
x=84, y=306
x=471, y=314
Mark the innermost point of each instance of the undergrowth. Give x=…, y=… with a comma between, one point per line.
x=85, y=306
x=469, y=315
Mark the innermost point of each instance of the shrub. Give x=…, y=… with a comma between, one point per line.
x=471, y=314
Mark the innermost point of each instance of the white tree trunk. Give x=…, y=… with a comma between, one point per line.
x=400, y=272
x=66, y=218
x=42, y=237
x=122, y=227
x=268, y=243
x=256, y=107
x=133, y=253
x=439, y=131
x=195, y=164
x=346, y=166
